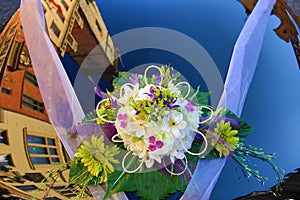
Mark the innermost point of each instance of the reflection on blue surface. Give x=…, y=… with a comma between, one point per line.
x=35, y=139
x=26, y=187
x=51, y=141
x=37, y=150
x=272, y=105
x=55, y=160
x=52, y=151
x=39, y=160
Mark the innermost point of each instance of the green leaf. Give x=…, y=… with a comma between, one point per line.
x=80, y=175
x=76, y=169
x=149, y=185
x=119, y=182
x=90, y=117
x=198, y=97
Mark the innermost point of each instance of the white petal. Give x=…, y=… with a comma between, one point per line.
x=176, y=132
x=172, y=158
x=149, y=163
x=182, y=124
x=141, y=155
x=180, y=155
x=158, y=159
x=140, y=132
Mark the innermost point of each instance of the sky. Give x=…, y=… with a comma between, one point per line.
x=272, y=105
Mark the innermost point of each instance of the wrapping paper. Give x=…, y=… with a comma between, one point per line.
x=240, y=73
x=64, y=109
x=59, y=98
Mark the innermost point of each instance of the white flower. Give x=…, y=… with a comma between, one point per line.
x=143, y=93
x=152, y=157
x=134, y=144
x=173, y=123
x=174, y=89
x=176, y=154
x=192, y=117
x=128, y=93
x=139, y=127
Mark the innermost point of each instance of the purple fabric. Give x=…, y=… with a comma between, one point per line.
x=241, y=70
x=58, y=95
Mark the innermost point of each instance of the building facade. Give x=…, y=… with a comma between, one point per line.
x=29, y=145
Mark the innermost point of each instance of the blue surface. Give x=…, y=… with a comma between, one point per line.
x=271, y=107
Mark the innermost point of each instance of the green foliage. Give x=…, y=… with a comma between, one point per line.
x=149, y=185
x=199, y=98
x=80, y=175
x=92, y=163
x=242, y=154
x=90, y=117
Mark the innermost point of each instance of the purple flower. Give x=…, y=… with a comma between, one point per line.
x=152, y=147
x=133, y=79
x=100, y=93
x=159, y=144
x=152, y=139
x=216, y=119
x=158, y=78
x=190, y=107
x=73, y=129
x=109, y=130
x=154, y=144
x=123, y=116
x=123, y=124
x=152, y=93
x=171, y=103
x=114, y=103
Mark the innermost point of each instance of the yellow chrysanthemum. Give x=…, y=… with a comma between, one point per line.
x=224, y=130
x=98, y=157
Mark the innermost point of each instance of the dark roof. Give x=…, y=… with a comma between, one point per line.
x=7, y=9
x=290, y=189
x=295, y=6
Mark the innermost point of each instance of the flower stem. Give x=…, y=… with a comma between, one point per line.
x=122, y=174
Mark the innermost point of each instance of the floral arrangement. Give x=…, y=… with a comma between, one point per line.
x=153, y=130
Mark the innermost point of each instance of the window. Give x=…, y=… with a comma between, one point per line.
x=55, y=29
x=60, y=15
x=35, y=139
x=42, y=150
x=78, y=19
x=51, y=198
x=98, y=26
x=68, y=192
x=26, y=187
x=3, y=137
x=6, y=160
x=35, y=177
x=32, y=104
x=6, y=90
x=13, y=29
x=29, y=77
x=72, y=43
x=51, y=141
x=70, y=39
x=4, y=48
x=65, y=5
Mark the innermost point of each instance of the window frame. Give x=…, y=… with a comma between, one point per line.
x=45, y=145
x=4, y=137
x=32, y=103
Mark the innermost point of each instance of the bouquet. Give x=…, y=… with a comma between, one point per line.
x=149, y=133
